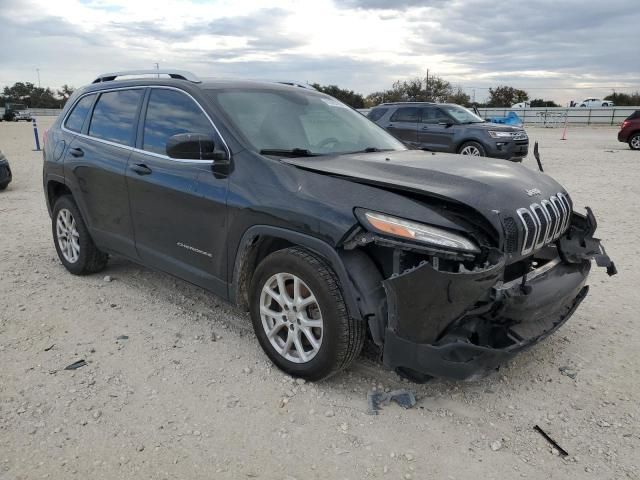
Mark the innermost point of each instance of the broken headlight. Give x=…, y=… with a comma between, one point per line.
x=418, y=232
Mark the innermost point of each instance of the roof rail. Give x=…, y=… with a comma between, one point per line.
x=296, y=84
x=177, y=74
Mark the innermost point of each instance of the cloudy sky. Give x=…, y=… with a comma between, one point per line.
x=558, y=49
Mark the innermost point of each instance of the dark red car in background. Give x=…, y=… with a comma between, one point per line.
x=630, y=131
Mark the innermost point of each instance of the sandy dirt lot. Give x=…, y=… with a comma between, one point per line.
x=189, y=393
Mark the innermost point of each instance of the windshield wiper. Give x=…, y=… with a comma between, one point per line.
x=293, y=152
x=372, y=150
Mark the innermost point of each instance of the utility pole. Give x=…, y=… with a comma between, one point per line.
x=427, y=87
x=38, y=71
x=157, y=68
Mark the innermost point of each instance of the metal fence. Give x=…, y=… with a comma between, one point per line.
x=555, y=116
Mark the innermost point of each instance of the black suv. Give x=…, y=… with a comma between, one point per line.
x=290, y=204
x=443, y=127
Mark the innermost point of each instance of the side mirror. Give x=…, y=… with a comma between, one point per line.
x=194, y=146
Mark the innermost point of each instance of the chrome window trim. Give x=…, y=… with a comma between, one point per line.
x=139, y=150
x=542, y=237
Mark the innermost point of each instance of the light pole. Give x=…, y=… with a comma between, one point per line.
x=157, y=68
x=38, y=71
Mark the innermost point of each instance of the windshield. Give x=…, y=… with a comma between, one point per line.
x=461, y=114
x=300, y=120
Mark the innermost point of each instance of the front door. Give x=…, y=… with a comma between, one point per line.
x=178, y=207
x=436, y=130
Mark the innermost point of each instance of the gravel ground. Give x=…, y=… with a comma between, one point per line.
x=176, y=385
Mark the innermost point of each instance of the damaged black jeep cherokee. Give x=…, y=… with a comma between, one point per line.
x=294, y=206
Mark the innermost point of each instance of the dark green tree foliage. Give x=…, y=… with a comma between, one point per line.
x=30, y=95
x=624, y=99
x=349, y=97
x=539, y=102
x=64, y=93
x=425, y=89
x=505, y=96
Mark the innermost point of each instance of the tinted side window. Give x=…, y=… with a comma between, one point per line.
x=406, y=114
x=377, y=114
x=76, y=118
x=114, y=116
x=434, y=115
x=169, y=113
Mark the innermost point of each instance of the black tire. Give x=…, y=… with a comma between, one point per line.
x=483, y=152
x=3, y=186
x=342, y=336
x=90, y=259
x=635, y=138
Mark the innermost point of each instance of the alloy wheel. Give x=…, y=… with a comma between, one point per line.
x=68, y=236
x=291, y=317
x=635, y=142
x=470, y=150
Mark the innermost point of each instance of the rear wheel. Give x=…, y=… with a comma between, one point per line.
x=299, y=315
x=472, y=148
x=74, y=245
x=3, y=186
x=634, y=141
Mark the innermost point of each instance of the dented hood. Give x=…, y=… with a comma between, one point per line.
x=488, y=185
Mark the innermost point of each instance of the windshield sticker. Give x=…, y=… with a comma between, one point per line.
x=332, y=102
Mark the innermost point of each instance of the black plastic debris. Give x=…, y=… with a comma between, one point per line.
x=76, y=365
x=123, y=337
x=561, y=450
x=49, y=348
x=375, y=400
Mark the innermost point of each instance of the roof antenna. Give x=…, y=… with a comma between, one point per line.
x=537, y=155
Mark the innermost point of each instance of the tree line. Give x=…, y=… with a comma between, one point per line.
x=35, y=97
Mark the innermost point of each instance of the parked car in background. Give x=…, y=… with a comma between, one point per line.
x=5, y=172
x=630, y=131
x=444, y=127
x=294, y=206
x=15, y=112
x=594, y=103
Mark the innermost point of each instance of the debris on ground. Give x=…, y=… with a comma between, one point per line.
x=555, y=445
x=122, y=337
x=49, y=347
x=76, y=365
x=496, y=445
x=568, y=372
x=375, y=399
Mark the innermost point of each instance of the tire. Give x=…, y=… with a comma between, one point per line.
x=634, y=141
x=340, y=338
x=78, y=253
x=3, y=186
x=472, y=147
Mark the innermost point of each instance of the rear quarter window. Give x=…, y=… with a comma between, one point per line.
x=114, y=116
x=76, y=118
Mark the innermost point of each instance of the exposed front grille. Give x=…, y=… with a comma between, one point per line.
x=511, y=235
x=544, y=222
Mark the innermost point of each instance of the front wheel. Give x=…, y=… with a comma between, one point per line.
x=300, y=317
x=634, y=141
x=74, y=245
x=472, y=148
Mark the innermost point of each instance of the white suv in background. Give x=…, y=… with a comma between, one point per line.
x=595, y=102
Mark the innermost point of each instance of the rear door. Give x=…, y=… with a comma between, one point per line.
x=178, y=206
x=95, y=167
x=403, y=124
x=433, y=133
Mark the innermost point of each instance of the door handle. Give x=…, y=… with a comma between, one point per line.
x=424, y=128
x=76, y=152
x=141, y=169
x=390, y=126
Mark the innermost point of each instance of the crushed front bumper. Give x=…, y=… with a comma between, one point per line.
x=463, y=325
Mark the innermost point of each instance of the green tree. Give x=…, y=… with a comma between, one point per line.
x=349, y=97
x=460, y=98
x=624, y=99
x=430, y=88
x=30, y=95
x=505, y=96
x=539, y=102
x=65, y=92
